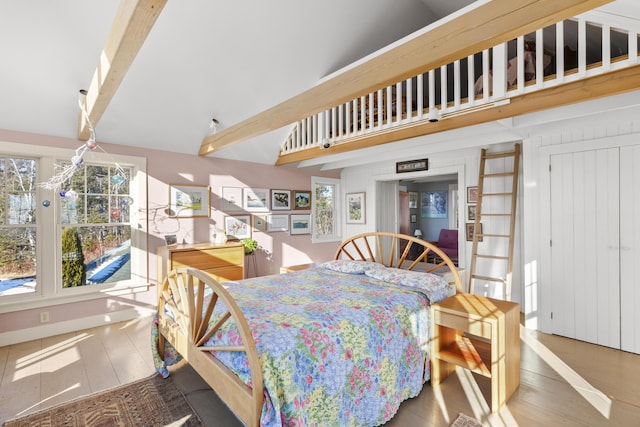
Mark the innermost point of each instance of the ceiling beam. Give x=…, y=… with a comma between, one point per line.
x=609, y=84
x=484, y=24
x=129, y=30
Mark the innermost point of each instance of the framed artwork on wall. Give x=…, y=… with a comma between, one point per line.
x=188, y=201
x=414, y=218
x=277, y=222
x=413, y=200
x=231, y=199
x=255, y=199
x=471, y=212
x=237, y=227
x=259, y=222
x=472, y=194
x=302, y=199
x=300, y=224
x=470, y=231
x=280, y=200
x=433, y=204
x=356, y=208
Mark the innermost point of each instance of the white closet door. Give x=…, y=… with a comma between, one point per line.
x=585, y=270
x=629, y=248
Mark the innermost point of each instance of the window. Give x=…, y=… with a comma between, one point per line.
x=83, y=241
x=325, y=209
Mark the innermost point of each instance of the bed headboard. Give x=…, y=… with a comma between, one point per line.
x=384, y=248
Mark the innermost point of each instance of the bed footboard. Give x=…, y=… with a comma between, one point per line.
x=188, y=330
x=384, y=248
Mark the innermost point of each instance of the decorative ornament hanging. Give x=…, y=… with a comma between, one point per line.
x=71, y=195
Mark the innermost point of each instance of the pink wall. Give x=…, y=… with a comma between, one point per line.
x=164, y=168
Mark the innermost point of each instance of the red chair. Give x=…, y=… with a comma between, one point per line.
x=448, y=243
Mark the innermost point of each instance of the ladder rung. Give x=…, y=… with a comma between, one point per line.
x=493, y=214
x=492, y=256
x=494, y=194
x=491, y=279
x=500, y=155
x=492, y=175
x=494, y=235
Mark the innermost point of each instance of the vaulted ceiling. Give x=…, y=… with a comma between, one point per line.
x=202, y=59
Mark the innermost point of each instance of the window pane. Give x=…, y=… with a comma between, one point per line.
x=17, y=260
x=324, y=210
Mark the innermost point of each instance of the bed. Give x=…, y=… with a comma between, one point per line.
x=341, y=343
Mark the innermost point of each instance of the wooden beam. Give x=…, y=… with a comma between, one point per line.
x=129, y=30
x=609, y=84
x=481, y=27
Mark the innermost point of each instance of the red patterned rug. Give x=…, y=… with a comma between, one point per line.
x=153, y=401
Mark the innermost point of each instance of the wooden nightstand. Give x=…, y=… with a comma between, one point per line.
x=480, y=334
x=290, y=268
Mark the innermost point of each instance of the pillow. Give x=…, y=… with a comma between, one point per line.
x=349, y=266
x=435, y=287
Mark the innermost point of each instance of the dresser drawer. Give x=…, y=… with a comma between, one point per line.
x=224, y=274
x=208, y=258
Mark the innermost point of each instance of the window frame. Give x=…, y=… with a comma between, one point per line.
x=50, y=291
x=337, y=210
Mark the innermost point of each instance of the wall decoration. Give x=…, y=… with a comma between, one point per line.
x=231, y=199
x=471, y=212
x=470, y=227
x=188, y=201
x=280, y=200
x=433, y=204
x=300, y=224
x=472, y=194
x=170, y=239
x=302, y=199
x=277, y=223
x=259, y=222
x=255, y=199
x=414, y=218
x=237, y=227
x=413, y=200
x=412, y=166
x=356, y=208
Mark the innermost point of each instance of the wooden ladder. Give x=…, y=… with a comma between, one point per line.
x=492, y=264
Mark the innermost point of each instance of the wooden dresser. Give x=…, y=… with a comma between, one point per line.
x=223, y=261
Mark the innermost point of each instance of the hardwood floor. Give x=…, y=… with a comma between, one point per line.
x=563, y=381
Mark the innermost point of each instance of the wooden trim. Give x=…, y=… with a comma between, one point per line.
x=129, y=30
x=612, y=83
x=481, y=27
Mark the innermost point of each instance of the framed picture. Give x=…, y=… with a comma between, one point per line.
x=470, y=227
x=356, y=208
x=413, y=200
x=237, y=227
x=280, y=200
x=412, y=165
x=471, y=212
x=472, y=194
x=300, y=224
x=433, y=204
x=277, y=223
x=414, y=218
x=301, y=199
x=255, y=199
x=188, y=201
x=231, y=199
x=170, y=239
x=259, y=222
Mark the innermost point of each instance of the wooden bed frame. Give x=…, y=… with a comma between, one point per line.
x=184, y=290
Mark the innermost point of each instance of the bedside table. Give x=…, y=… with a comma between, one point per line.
x=480, y=334
x=290, y=268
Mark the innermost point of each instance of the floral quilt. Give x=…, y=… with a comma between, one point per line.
x=336, y=348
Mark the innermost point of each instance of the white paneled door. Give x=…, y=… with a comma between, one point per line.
x=594, y=232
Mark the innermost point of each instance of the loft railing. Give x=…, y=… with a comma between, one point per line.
x=567, y=51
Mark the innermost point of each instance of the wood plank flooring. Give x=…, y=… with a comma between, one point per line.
x=563, y=381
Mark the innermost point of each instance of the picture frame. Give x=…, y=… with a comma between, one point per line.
x=189, y=201
x=170, y=239
x=412, y=165
x=433, y=204
x=414, y=218
x=471, y=212
x=413, y=199
x=470, y=230
x=277, y=222
x=472, y=195
x=255, y=199
x=280, y=200
x=301, y=199
x=259, y=222
x=231, y=199
x=300, y=224
x=356, y=208
x=237, y=227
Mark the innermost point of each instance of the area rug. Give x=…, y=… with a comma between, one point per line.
x=153, y=401
x=466, y=421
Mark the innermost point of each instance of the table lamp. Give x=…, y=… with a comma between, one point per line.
x=418, y=233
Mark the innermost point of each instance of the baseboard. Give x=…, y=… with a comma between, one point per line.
x=49, y=330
